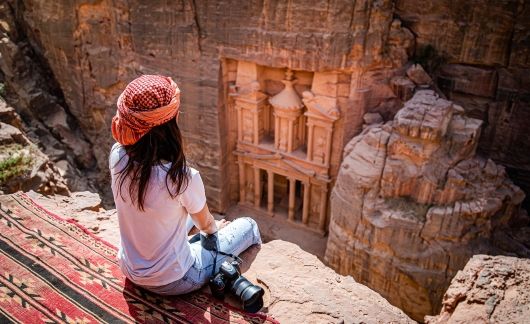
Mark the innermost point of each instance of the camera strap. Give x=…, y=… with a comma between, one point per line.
x=233, y=256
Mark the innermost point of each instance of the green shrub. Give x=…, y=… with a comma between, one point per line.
x=13, y=166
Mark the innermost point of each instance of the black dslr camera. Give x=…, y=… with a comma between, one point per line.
x=229, y=279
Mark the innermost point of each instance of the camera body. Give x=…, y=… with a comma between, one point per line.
x=229, y=279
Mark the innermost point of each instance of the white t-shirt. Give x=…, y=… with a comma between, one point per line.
x=154, y=247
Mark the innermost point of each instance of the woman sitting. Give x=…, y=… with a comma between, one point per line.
x=156, y=192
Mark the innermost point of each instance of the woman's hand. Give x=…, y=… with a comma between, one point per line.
x=221, y=223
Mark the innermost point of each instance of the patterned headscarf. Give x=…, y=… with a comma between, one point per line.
x=146, y=102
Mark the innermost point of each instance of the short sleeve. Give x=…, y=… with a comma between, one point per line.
x=194, y=197
x=116, y=152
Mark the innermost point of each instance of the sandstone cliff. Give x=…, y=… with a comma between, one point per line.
x=490, y=289
x=477, y=54
x=412, y=204
x=29, y=86
x=299, y=288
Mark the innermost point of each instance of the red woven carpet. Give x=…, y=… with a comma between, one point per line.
x=52, y=271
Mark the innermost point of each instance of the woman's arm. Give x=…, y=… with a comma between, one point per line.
x=204, y=220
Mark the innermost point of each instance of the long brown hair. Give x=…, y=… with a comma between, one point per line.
x=161, y=144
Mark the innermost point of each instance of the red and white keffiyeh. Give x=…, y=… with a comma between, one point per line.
x=146, y=102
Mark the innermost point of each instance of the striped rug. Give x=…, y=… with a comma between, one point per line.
x=54, y=271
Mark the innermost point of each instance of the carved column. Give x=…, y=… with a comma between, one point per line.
x=328, y=145
x=310, y=141
x=257, y=187
x=306, y=202
x=291, y=137
x=256, y=127
x=292, y=193
x=270, y=191
x=323, y=208
x=276, y=132
x=242, y=184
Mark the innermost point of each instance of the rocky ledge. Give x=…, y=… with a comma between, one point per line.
x=490, y=289
x=299, y=288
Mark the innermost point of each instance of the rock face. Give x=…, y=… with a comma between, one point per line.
x=490, y=289
x=31, y=88
x=109, y=43
x=299, y=288
x=412, y=203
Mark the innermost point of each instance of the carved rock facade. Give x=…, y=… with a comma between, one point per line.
x=285, y=126
x=412, y=203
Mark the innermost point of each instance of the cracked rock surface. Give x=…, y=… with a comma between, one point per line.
x=301, y=289
x=490, y=289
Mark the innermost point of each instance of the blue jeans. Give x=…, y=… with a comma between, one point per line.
x=234, y=238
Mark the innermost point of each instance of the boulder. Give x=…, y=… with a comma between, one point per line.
x=417, y=74
x=24, y=167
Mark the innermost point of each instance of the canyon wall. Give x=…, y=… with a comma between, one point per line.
x=94, y=48
x=412, y=203
x=477, y=53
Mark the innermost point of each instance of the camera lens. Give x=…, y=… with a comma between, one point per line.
x=250, y=295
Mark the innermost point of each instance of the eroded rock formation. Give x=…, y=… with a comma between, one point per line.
x=412, y=203
x=490, y=289
x=479, y=55
x=23, y=166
